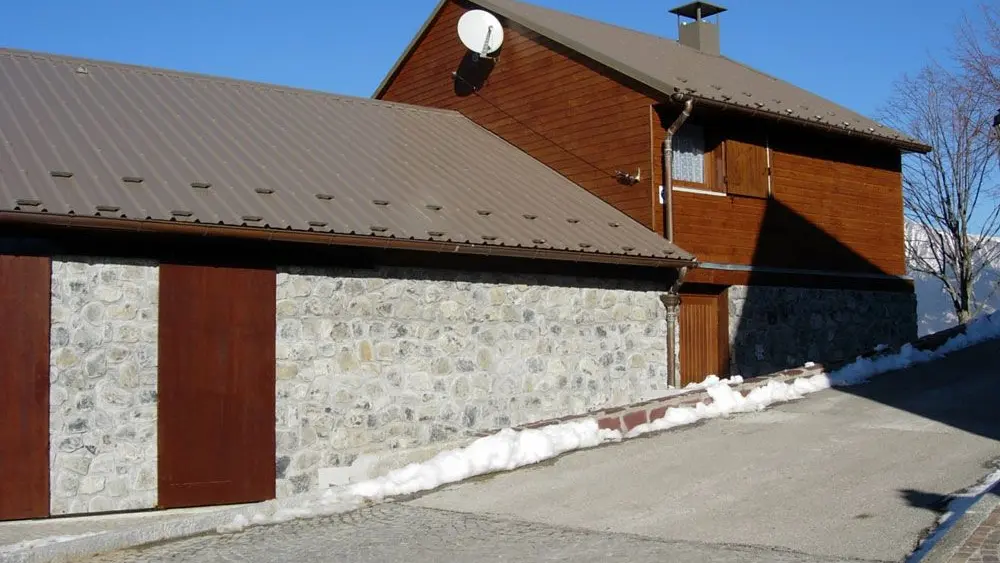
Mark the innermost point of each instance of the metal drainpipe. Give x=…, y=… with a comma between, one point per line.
x=668, y=160
x=672, y=300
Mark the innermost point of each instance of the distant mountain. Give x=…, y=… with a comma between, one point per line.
x=934, y=309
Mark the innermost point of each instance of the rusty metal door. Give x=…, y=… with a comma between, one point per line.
x=24, y=386
x=216, y=385
x=704, y=328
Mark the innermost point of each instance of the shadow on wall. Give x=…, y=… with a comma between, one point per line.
x=472, y=73
x=779, y=322
x=839, y=322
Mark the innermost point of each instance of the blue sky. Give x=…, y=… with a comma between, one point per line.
x=847, y=50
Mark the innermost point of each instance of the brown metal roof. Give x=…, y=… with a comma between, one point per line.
x=668, y=67
x=95, y=139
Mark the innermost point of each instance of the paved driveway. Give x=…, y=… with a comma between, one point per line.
x=839, y=476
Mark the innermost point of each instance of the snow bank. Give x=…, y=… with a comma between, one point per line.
x=503, y=451
x=726, y=401
x=510, y=449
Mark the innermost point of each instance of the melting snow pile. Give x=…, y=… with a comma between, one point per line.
x=503, y=451
x=510, y=449
x=506, y=450
x=726, y=400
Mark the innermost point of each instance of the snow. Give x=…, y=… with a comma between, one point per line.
x=957, y=507
x=503, y=451
x=727, y=401
x=509, y=449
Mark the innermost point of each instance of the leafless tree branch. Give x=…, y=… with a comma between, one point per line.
x=949, y=202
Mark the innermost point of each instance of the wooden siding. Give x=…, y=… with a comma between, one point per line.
x=704, y=319
x=24, y=380
x=545, y=100
x=836, y=205
x=216, y=385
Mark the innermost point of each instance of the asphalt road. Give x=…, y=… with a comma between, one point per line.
x=852, y=475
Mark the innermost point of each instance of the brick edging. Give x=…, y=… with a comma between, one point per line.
x=625, y=418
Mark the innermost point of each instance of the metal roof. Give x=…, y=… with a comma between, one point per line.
x=97, y=139
x=668, y=67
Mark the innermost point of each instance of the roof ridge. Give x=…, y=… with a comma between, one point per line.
x=223, y=80
x=552, y=24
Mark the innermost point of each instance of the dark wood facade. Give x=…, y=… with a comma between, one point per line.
x=785, y=196
x=543, y=99
x=24, y=381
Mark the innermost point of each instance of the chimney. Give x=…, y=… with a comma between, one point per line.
x=694, y=30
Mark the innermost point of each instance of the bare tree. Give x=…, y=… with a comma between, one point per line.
x=978, y=51
x=948, y=200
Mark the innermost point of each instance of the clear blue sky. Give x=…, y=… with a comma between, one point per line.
x=847, y=50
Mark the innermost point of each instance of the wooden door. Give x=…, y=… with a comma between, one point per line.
x=704, y=320
x=216, y=385
x=24, y=386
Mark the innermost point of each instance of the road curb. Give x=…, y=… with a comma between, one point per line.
x=967, y=523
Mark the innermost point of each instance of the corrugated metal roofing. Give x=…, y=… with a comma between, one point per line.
x=92, y=138
x=668, y=67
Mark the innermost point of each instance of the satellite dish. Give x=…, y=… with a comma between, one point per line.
x=481, y=32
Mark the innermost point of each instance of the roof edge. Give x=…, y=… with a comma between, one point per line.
x=329, y=239
x=630, y=72
x=669, y=89
x=387, y=80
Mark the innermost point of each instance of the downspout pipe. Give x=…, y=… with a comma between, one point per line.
x=668, y=163
x=672, y=302
x=672, y=299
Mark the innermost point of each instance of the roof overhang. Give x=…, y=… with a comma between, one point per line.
x=330, y=239
x=665, y=91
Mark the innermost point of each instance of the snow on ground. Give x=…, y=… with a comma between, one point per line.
x=510, y=449
x=726, y=400
x=957, y=507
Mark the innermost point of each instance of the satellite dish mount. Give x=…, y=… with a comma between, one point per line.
x=481, y=33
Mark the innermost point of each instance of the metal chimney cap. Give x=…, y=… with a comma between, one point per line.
x=692, y=9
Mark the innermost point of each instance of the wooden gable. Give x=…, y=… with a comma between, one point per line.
x=543, y=98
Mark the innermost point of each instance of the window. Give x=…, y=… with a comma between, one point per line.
x=696, y=158
x=703, y=162
x=689, y=155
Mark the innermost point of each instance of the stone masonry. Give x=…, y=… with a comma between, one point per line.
x=773, y=328
x=393, y=359
x=103, y=391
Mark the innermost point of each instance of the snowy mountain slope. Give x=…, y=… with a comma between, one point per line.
x=934, y=309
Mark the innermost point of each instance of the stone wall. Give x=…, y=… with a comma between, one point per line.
x=773, y=328
x=103, y=397
x=396, y=359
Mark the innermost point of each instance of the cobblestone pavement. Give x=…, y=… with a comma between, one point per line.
x=396, y=533
x=983, y=546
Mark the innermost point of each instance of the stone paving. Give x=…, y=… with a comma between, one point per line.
x=983, y=546
x=400, y=533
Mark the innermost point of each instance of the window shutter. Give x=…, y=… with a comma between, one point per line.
x=746, y=169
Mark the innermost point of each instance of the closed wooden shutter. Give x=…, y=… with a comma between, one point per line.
x=746, y=168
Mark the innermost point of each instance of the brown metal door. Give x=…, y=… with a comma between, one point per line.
x=216, y=385
x=704, y=336
x=24, y=386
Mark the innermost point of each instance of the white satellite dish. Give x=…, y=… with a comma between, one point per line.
x=481, y=32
